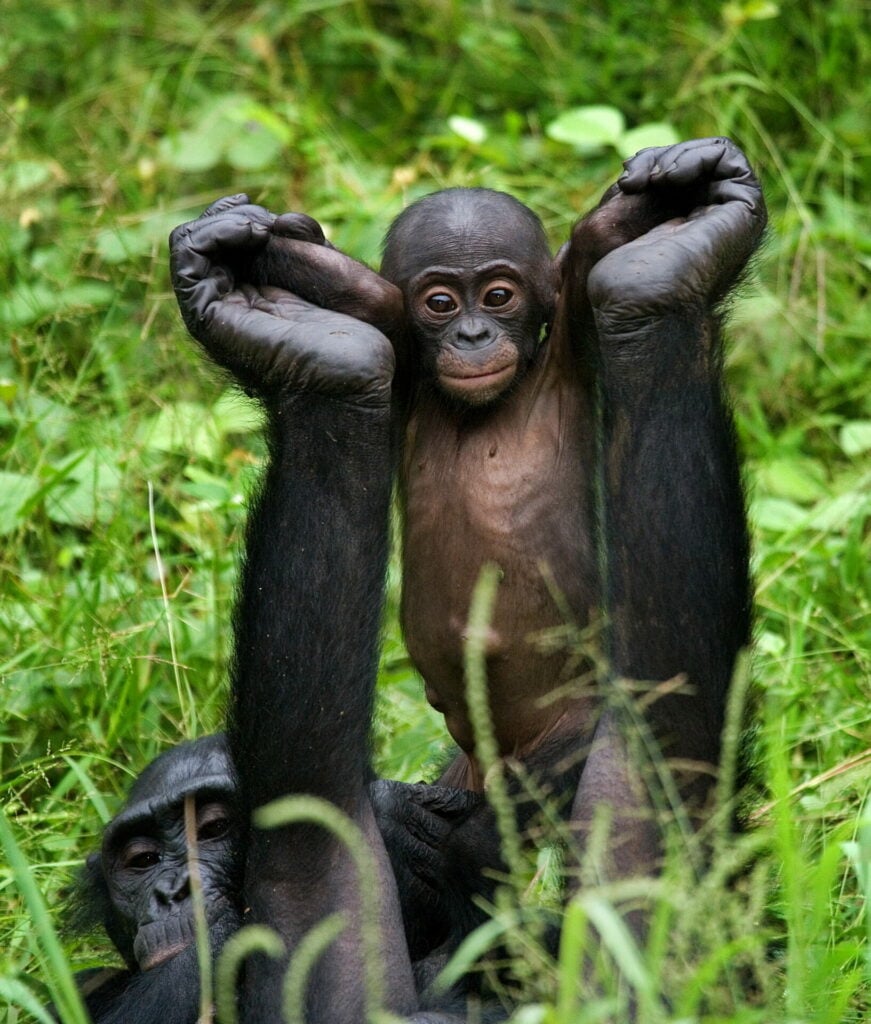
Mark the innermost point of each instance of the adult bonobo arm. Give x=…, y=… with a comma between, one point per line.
x=307, y=618
x=440, y=842
x=673, y=535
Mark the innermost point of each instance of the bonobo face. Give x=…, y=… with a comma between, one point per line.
x=145, y=853
x=479, y=285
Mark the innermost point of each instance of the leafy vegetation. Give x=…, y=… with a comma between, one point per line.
x=126, y=463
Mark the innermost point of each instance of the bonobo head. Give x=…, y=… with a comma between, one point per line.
x=138, y=884
x=479, y=285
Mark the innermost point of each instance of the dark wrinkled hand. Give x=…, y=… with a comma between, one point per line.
x=416, y=820
x=272, y=341
x=697, y=212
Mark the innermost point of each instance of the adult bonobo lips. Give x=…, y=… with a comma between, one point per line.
x=159, y=941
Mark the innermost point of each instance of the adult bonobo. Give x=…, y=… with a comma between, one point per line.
x=565, y=419
x=138, y=887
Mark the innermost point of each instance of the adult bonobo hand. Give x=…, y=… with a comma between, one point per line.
x=271, y=340
x=702, y=213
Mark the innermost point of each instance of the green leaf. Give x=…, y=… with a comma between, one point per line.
x=187, y=428
x=736, y=14
x=761, y=10
x=192, y=151
x=88, y=489
x=855, y=437
x=234, y=128
x=253, y=148
x=466, y=128
x=234, y=413
x=29, y=303
x=119, y=243
x=778, y=514
x=834, y=515
x=799, y=479
x=52, y=421
x=27, y=175
x=588, y=128
x=191, y=428
x=656, y=133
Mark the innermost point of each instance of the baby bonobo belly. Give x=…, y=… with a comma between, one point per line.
x=513, y=489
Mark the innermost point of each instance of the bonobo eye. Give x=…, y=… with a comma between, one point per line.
x=499, y=293
x=213, y=822
x=440, y=302
x=497, y=297
x=140, y=855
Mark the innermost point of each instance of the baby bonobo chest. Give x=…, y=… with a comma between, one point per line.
x=511, y=487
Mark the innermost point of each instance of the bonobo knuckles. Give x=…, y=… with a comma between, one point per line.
x=273, y=342
x=708, y=216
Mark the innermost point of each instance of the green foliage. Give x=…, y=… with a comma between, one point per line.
x=125, y=466
x=591, y=129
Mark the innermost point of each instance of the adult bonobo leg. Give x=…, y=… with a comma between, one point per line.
x=137, y=887
x=673, y=539
x=307, y=619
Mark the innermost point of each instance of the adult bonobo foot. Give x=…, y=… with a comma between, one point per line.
x=686, y=218
x=268, y=338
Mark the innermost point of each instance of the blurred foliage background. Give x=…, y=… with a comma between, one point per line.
x=125, y=461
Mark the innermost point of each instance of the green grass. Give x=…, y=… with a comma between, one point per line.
x=125, y=462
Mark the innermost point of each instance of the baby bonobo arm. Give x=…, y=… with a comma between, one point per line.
x=298, y=257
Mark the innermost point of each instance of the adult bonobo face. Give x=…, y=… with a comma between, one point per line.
x=479, y=285
x=144, y=855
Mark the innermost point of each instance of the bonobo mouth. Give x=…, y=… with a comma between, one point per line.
x=479, y=385
x=159, y=941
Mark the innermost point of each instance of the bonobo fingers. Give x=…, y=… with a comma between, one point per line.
x=416, y=821
x=226, y=203
x=271, y=341
x=301, y=227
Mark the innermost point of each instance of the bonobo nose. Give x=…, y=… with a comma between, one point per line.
x=173, y=888
x=473, y=333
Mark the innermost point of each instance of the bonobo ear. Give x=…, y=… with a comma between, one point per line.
x=91, y=895
x=91, y=907
x=89, y=903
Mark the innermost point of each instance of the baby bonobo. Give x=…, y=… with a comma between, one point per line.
x=565, y=419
